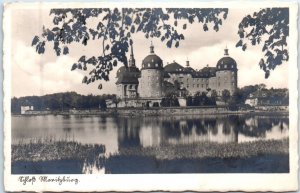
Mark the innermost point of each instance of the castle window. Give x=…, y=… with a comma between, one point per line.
x=193, y=86
x=233, y=84
x=202, y=85
x=187, y=86
x=156, y=65
x=225, y=66
x=232, y=66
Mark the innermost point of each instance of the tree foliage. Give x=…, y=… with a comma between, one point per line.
x=270, y=27
x=115, y=28
x=225, y=95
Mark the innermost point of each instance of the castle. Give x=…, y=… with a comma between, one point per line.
x=148, y=85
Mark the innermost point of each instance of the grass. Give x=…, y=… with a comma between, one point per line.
x=50, y=149
x=211, y=150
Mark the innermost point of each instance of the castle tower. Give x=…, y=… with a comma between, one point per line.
x=226, y=74
x=127, y=79
x=151, y=76
x=131, y=59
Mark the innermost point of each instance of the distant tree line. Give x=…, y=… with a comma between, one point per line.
x=234, y=101
x=61, y=102
x=239, y=97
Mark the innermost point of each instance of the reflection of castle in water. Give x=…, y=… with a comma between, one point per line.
x=182, y=130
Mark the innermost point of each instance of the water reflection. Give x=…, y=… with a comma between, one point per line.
x=118, y=133
x=122, y=132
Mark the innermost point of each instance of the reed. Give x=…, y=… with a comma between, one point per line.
x=211, y=150
x=47, y=149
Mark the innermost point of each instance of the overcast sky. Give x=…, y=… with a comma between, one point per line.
x=34, y=74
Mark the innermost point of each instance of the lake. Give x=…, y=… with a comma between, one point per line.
x=125, y=134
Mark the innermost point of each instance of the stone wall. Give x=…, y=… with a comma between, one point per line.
x=226, y=79
x=172, y=111
x=150, y=83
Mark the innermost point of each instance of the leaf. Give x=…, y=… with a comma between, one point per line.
x=100, y=86
x=35, y=40
x=177, y=44
x=82, y=59
x=132, y=30
x=40, y=48
x=175, y=22
x=84, y=67
x=74, y=66
x=84, y=80
x=240, y=43
x=66, y=50
x=267, y=74
x=100, y=25
x=128, y=20
x=184, y=26
x=84, y=41
x=205, y=28
x=115, y=62
x=244, y=47
x=107, y=47
x=169, y=43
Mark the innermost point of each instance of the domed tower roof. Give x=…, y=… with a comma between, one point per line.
x=129, y=70
x=152, y=61
x=226, y=63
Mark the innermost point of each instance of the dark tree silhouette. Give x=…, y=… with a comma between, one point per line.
x=225, y=95
x=115, y=28
x=271, y=27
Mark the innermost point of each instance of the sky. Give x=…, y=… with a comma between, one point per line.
x=34, y=74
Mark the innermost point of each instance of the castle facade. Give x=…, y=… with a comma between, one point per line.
x=148, y=85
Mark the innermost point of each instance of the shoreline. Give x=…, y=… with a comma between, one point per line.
x=166, y=111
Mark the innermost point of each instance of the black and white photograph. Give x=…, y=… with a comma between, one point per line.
x=159, y=92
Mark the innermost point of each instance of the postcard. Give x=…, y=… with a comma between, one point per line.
x=144, y=96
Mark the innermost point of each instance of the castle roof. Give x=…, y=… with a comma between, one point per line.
x=127, y=79
x=131, y=70
x=175, y=68
x=189, y=69
x=152, y=61
x=205, y=72
x=226, y=63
